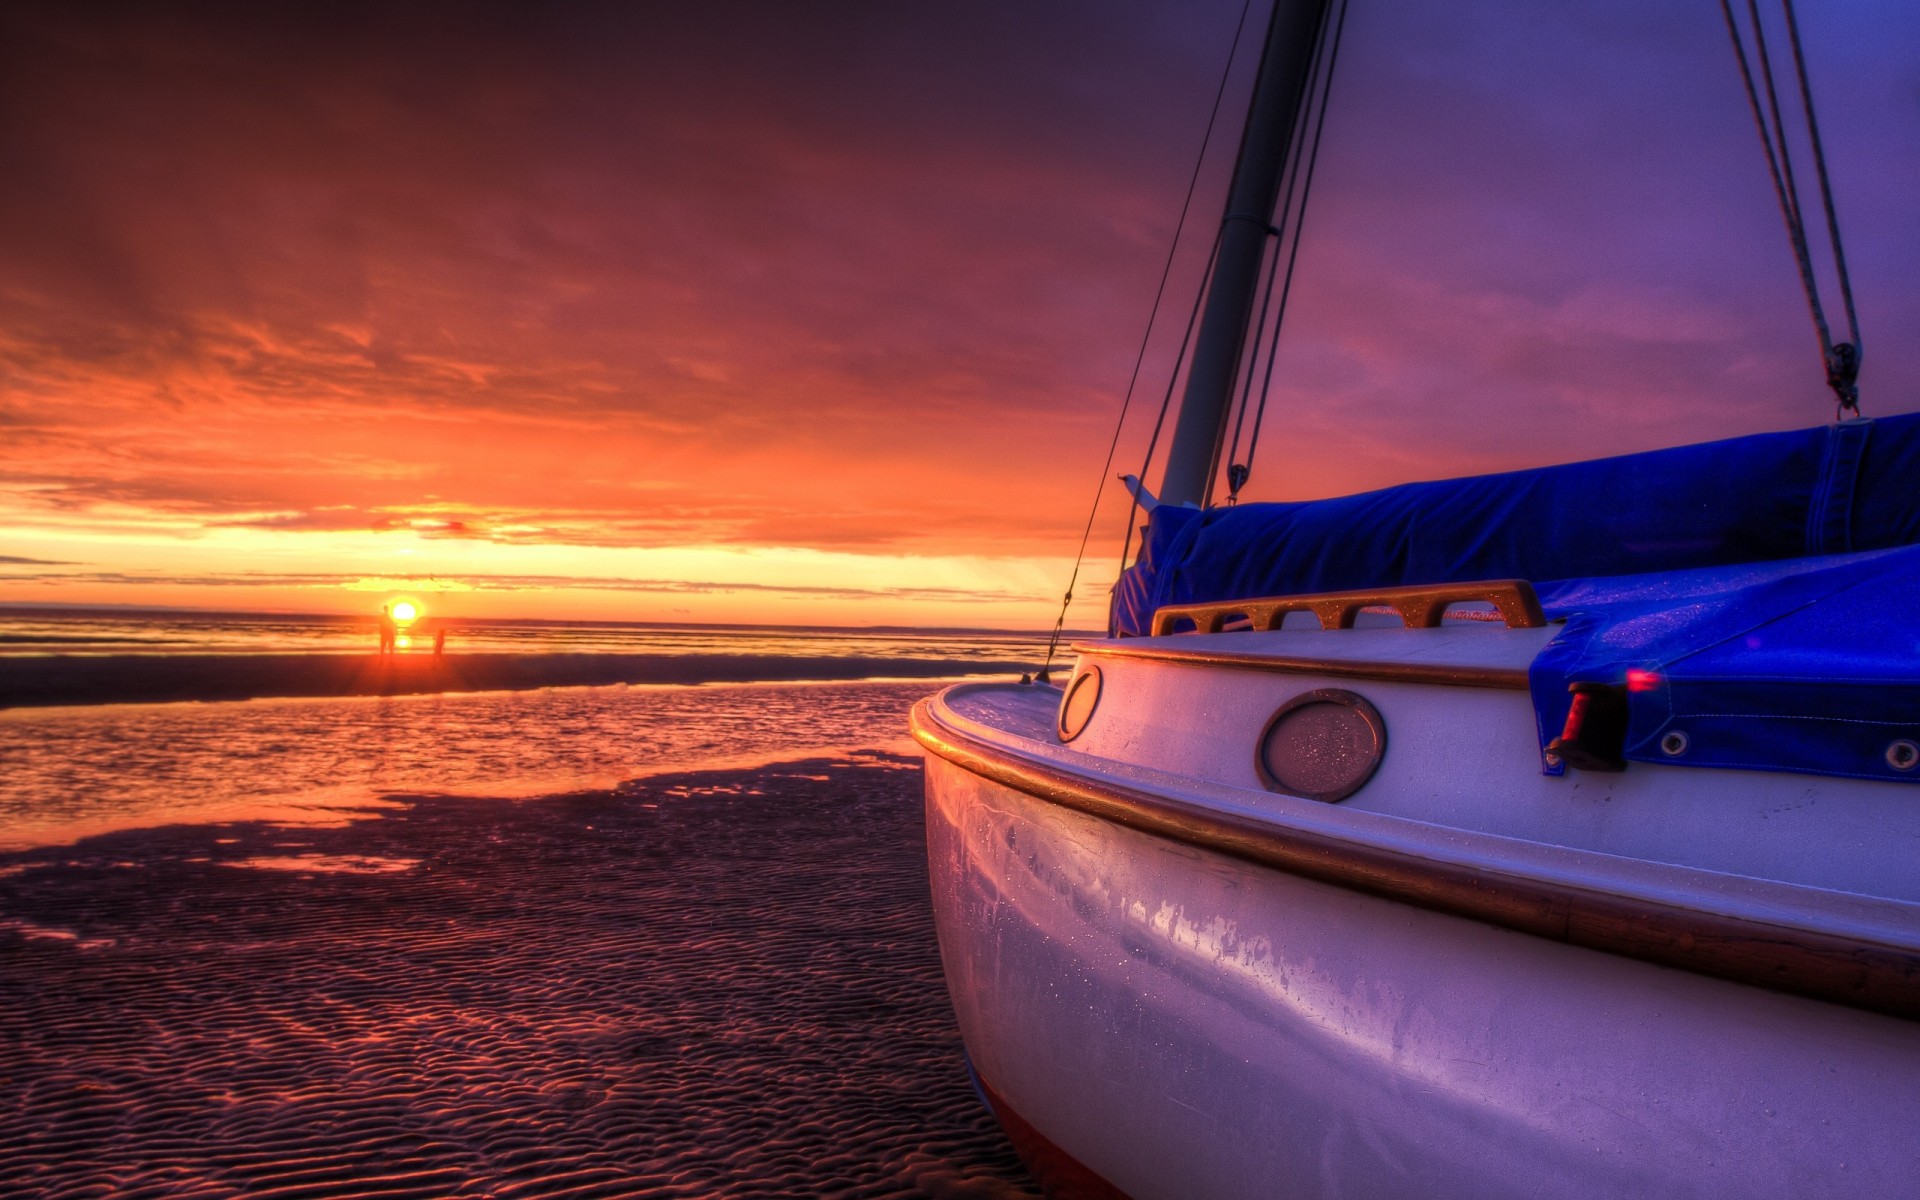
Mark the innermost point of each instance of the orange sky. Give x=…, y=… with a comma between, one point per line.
x=821, y=313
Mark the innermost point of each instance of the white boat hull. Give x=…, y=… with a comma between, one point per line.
x=1185, y=1022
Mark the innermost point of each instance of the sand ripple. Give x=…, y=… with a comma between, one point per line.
x=703, y=985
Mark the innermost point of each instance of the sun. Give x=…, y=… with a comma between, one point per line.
x=405, y=612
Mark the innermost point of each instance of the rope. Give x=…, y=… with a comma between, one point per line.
x=1245, y=470
x=1193, y=181
x=1236, y=474
x=1842, y=359
x=1166, y=401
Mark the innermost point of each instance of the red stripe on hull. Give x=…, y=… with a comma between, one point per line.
x=1061, y=1176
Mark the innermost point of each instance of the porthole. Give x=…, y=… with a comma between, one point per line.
x=1076, y=707
x=1323, y=745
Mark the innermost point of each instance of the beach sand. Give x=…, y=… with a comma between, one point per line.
x=719, y=984
x=39, y=680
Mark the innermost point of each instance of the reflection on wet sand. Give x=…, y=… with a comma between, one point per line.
x=347, y=864
x=694, y=985
x=72, y=773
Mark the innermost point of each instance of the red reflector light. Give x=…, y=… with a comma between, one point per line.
x=1642, y=681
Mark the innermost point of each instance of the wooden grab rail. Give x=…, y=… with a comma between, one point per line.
x=1419, y=607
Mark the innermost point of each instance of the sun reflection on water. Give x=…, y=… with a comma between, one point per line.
x=70, y=773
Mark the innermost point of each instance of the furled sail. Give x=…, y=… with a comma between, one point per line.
x=1761, y=589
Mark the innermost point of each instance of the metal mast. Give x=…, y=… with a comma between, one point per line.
x=1278, y=92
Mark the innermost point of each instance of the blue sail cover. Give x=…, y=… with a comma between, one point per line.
x=1809, y=664
x=1728, y=576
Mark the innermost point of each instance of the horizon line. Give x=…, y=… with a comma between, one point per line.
x=11, y=607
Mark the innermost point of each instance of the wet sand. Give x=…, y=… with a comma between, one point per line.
x=29, y=681
x=721, y=984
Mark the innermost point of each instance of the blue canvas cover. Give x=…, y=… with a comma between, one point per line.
x=1729, y=576
x=1808, y=664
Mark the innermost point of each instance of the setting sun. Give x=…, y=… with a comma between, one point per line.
x=405, y=611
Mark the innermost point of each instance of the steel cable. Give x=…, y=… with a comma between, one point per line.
x=1293, y=253
x=1841, y=360
x=1166, y=271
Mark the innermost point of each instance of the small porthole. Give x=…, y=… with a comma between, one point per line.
x=1076, y=707
x=1323, y=745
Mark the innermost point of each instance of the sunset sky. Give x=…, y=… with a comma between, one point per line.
x=822, y=312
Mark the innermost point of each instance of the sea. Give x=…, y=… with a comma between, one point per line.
x=71, y=773
x=668, y=942
x=148, y=631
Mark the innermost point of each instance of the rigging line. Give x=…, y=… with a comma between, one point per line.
x=1820, y=168
x=1797, y=222
x=1299, y=222
x=1842, y=360
x=1270, y=265
x=1173, y=379
x=1234, y=476
x=1193, y=181
x=1248, y=361
x=1789, y=204
x=1238, y=472
x=1759, y=116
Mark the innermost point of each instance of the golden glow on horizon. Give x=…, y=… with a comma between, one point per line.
x=406, y=612
x=334, y=571
x=285, y=331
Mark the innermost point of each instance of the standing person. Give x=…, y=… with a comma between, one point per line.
x=439, y=641
x=389, y=630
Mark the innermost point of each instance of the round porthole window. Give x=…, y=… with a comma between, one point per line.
x=1323, y=745
x=1076, y=707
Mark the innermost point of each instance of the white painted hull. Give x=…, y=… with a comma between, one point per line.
x=1188, y=1023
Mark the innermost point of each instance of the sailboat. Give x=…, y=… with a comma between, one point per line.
x=1544, y=834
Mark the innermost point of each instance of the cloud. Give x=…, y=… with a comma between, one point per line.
x=867, y=277
x=492, y=257
x=400, y=581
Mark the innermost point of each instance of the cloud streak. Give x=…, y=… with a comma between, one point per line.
x=431, y=583
x=862, y=278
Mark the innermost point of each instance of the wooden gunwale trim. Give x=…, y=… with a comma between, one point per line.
x=1504, y=678
x=1833, y=967
x=1421, y=606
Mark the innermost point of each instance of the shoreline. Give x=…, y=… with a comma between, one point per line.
x=63, y=681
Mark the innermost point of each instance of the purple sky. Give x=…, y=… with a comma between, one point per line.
x=569, y=282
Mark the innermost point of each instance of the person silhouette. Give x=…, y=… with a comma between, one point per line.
x=440, y=641
x=389, y=629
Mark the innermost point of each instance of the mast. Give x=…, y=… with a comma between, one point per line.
x=1285, y=63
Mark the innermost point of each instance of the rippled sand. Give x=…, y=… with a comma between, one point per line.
x=723, y=984
x=32, y=681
